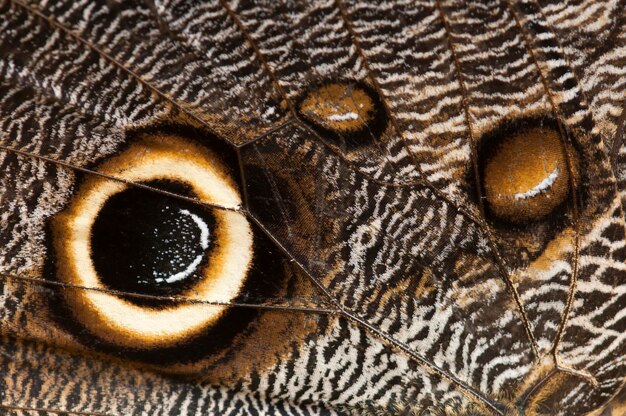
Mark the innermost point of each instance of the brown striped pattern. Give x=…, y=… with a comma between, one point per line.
x=404, y=294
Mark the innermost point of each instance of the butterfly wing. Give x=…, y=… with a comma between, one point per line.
x=360, y=141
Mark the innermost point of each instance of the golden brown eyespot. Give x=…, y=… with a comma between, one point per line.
x=340, y=107
x=154, y=242
x=526, y=175
x=347, y=110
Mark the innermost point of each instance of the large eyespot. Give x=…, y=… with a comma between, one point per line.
x=115, y=236
x=525, y=174
x=349, y=111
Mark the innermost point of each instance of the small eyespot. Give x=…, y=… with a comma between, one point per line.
x=116, y=237
x=525, y=175
x=348, y=110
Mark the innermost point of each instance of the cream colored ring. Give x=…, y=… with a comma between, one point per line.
x=124, y=323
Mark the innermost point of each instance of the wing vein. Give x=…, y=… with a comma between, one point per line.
x=114, y=178
x=564, y=134
x=499, y=260
x=47, y=410
x=286, y=307
x=259, y=54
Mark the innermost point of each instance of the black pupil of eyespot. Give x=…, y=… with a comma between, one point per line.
x=150, y=243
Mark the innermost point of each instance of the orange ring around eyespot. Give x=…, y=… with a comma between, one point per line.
x=121, y=322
